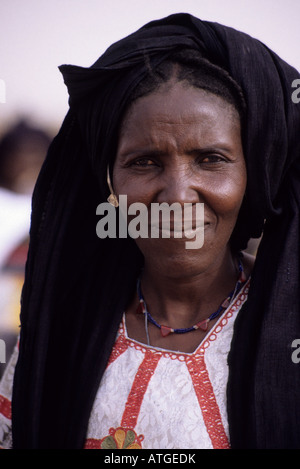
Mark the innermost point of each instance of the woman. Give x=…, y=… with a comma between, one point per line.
x=181, y=111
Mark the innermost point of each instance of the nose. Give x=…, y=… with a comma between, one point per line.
x=178, y=185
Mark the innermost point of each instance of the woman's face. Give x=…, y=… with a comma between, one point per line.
x=182, y=144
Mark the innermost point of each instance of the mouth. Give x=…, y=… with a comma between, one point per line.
x=189, y=231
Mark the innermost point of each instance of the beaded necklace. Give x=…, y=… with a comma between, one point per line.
x=203, y=325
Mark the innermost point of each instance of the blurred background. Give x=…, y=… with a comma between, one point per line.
x=36, y=36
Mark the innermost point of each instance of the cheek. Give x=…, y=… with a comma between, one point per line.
x=130, y=186
x=225, y=197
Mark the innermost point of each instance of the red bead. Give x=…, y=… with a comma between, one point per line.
x=165, y=330
x=203, y=325
x=140, y=308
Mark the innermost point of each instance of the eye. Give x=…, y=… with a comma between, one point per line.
x=211, y=159
x=143, y=163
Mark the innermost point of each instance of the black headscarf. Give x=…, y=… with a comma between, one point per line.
x=77, y=286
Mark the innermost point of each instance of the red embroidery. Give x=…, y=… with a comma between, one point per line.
x=92, y=443
x=5, y=407
x=124, y=436
x=138, y=389
x=207, y=401
x=120, y=347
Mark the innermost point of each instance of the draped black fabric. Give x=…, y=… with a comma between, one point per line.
x=77, y=286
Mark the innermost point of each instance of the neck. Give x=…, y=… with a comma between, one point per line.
x=182, y=300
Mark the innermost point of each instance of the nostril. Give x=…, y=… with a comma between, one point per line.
x=178, y=192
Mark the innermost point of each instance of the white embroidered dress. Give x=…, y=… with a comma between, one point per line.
x=151, y=398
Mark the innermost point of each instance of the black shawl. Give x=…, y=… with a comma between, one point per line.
x=76, y=285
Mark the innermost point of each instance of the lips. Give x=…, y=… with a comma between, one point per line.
x=166, y=230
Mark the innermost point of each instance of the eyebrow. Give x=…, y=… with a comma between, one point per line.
x=142, y=151
x=193, y=152
x=210, y=149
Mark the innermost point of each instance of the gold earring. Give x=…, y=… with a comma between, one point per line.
x=112, y=199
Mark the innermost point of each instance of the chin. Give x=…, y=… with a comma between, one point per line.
x=171, y=258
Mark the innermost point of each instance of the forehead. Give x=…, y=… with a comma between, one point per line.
x=179, y=109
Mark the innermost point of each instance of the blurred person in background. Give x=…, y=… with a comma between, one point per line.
x=22, y=151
